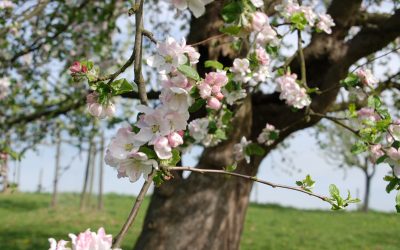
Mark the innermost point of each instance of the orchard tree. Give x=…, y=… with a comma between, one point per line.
x=229, y=87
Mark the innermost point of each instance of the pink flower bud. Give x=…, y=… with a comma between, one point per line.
x=175, y=139
x=214, y=103
x=96, y=109
x=219, y=96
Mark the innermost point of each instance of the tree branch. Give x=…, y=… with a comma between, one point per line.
x=250, y=178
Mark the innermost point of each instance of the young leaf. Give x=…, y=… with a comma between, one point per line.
x=254, y=149
x=189, y=72
x=213, y=64
x=122, y=86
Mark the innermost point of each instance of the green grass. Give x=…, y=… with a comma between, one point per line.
x=26, y=222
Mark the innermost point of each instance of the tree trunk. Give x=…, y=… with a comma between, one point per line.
x=202, y=211
x=101, y=169
x=367, y=191
x=56, y=171
x=208, y=211
x=86, y=178
x=92, y=174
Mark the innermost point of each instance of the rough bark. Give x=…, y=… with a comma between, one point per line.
x=207, y=212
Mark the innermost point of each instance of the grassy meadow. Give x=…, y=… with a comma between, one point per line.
x=27, y=222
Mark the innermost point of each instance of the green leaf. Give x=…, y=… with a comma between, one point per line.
x=226, y=118
x=197, y=105
x=231, y=30
x=381, y=159
x=358, y=147
x=213, y=64
x=350, y=81
x=391, y=185
x=148, y=151
x=299, y=20
x=374, y=102
x=189, y=72
x=231, y=11
x=308, y=181
x=220, y=134
x=254, y=149
x=334, y=191
x=158, y=179
x=398, y=201
x=173, y=160
x=352, y=110
x=122, y=86
x=231, y=168
x=299, y=183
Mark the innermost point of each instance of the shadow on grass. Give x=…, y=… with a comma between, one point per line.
x=21, y=205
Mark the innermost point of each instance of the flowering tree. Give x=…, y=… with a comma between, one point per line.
x=230, y=89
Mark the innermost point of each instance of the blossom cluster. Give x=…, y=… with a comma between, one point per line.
x=268, y=135
x=85, y=241
x=210, y=88
x=291, y=10
x=292, y=92
x=161, y=127
x=239, y=150
x=97, y=109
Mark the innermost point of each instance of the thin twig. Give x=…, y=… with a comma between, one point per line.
x=135, y=209
x=208, y=39
x=143, y=99
x=335, y=120
x=251, y=178
x=149, y=35
x=375, y=58
x=138, y=52
x=302, y=60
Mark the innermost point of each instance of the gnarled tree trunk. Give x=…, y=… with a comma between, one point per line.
x=207, y=211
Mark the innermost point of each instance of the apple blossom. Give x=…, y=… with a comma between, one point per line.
x=259, y=20
x=239, y=150
x=325, y=23
x=197, y=7
x=262, y=56
x=170, y=55
x=257, y=3
x=366, y=77
x=198, y=129
x=121, y=146
x=99, y=110
x=233, y=96
x=267, y=135
x=6, y=4
x=367, y=114
x=162, y=148
x=136, y=165
x=77, y=68
x=394, y=132
x=291, y=92
x=375, y=152
x=85, y=241
x=176, y=79
x=241, y=69
x=393, y=153
x=176, y=99
x=60, y=245
x=175, y=139
x=267, y=36
x=4, y=87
